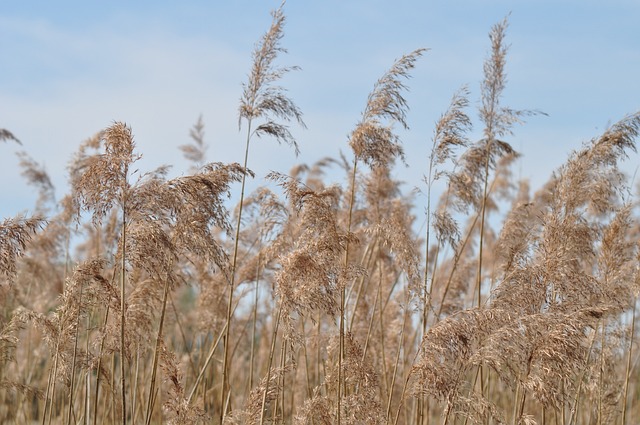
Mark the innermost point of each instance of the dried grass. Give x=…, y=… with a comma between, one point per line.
x=139, y=298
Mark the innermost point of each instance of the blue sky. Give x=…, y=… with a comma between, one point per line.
x=71, y=68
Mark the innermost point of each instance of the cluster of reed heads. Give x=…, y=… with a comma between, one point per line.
x=143, y=299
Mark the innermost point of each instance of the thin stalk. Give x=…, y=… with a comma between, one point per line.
x=283, y=354
x=562, y=416
x=134, y=400
x=586, y=360
x=208, y=360
x=255, y=319
x=95, y=406
x=21, y=399
x=420, y=410
x=342, y=295
x=318, y=357
x=46, y=396
x=427, y=289
x=456, y=260
x=369, y=254
x=425, y=318
x=373, y=315
x=515, y=403
x=122, y=315
x=73, y=362
x=393, y=287
x=156, y=353
x=524, y=399
x=226, y=361
x=133, y=385
x=385, y=378
x=475, y=382
x=269, y=363
x=184, y=338
x=482, y=223
x=435, y=257
x=404, y=391
x=205, y=387
x=427, y=412
x=53, y=385
x=77, y=390
x=87, y=400
x=628, y=369
x=445, y=421
x=292, y=393
x=55, y=362
x=601, y=379
x=457, y=257
x=206, y=363
x=155, y=397
x=306, y=363
x=395, y=366
x=241, y=336
x=488, y=390
x=451, y=395
x=113, y=379
x=481, y=245
x=99, y=367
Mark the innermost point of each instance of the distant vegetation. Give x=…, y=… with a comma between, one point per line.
x=318, y=304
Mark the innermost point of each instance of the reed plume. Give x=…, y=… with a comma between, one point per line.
x=263, y=105
x=7, y=135
x=153, y=297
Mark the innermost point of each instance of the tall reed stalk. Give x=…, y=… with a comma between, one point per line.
x=261, y=101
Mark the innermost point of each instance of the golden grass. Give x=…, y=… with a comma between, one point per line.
x=319, y=304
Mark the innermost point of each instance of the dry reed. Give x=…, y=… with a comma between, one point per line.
x=139, y=298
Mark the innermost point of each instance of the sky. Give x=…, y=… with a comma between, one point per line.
x=71, y=68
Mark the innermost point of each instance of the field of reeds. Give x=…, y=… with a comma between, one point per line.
x=143, y=299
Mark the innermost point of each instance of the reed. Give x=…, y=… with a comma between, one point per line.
x=143, y=298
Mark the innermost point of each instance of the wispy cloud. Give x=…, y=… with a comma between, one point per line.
x=62, y=80
x=61, y=87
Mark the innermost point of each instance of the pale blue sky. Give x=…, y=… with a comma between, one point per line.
x=70, y=68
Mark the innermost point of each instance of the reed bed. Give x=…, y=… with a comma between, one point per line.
x=143, y=299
